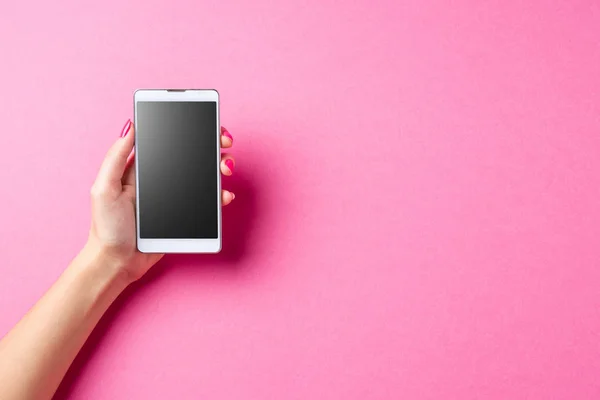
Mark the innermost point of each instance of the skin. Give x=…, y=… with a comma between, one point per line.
x=37, y=352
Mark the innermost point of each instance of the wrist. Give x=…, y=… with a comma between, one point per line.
x=103, y=266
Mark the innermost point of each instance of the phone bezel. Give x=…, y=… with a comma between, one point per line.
x=179, y=245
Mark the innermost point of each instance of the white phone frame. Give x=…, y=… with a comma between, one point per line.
x=180, y=245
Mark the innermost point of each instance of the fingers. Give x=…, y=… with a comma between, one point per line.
x=115, y=161
x=226, y=139
x=119, y=166
x=226, y=197
x=227, y=164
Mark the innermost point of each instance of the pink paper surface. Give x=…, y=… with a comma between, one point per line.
x=417, y=212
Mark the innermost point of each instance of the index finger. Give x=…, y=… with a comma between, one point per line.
x=226, y=138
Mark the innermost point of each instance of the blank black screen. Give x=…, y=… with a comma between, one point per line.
x=177, y=160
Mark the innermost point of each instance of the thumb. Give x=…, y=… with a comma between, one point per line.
x=115, y=161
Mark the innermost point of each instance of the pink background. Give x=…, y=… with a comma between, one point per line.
x=417, y=211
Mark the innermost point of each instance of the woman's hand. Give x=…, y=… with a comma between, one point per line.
x=36, y=353
x=113, y=231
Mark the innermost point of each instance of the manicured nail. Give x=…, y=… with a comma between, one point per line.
x=227, y=134
x=229, y=164
x=126, y=128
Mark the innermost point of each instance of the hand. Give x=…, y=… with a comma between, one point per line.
x=113, y=231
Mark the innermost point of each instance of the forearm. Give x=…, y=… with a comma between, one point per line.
x=37, y=353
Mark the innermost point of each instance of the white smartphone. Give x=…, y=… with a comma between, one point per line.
x=177, y=156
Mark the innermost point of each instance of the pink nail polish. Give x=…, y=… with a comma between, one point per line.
x=126, y=128
x=229, y=164
x=227, y=134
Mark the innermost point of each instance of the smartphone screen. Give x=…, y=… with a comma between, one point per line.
x=177, y=177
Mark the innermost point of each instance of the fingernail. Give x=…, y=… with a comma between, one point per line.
x=229, y=164
x=232, y=195
x=227, y=134
x=126, y=128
